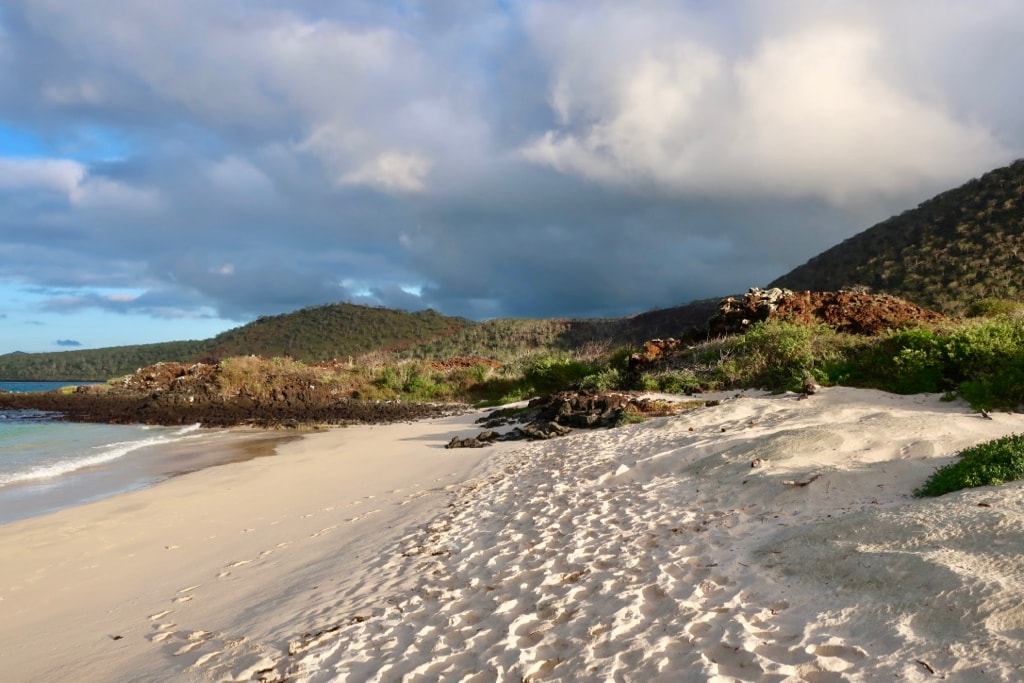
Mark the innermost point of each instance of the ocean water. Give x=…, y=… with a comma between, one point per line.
x=47, y=464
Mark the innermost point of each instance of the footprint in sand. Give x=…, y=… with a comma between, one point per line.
x=204, y=659
x=224, y=574
x=850, y=654
x=183, y=598
x=160, y=615
x=186, y=648
x=239, y=563
x=160, y=637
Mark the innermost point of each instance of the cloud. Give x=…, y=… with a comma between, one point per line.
x=392, y=171
x=807, y=112
x=59, y=176
x=483, y=159
x=69, y=343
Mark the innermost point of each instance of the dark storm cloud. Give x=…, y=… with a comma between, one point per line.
x=533, y=158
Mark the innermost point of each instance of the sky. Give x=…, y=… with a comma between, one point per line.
x=170, y=169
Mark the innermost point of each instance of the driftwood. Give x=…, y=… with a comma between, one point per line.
x=790, y=482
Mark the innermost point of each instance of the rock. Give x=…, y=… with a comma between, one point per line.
x=544, y=430
x=654, y=351
x=855, y=312
x=470, y=442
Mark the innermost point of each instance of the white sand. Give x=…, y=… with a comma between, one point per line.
x=652, y=552
x=222, y=564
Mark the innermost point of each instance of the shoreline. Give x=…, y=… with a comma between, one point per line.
x=762, y=538
x=142, y=468
x=119, y=589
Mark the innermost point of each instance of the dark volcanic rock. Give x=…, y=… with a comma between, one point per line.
x=557, y=415
x=468, y=442
x=169, y=408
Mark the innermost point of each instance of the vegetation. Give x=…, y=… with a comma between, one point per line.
x=346, y=331
x=954, y=249
x=987, y=464
x=339, y=330
x=94, y=364
x=980, y=360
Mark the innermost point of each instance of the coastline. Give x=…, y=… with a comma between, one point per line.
x=766, y=537
x=118, y=589
x=142, y=468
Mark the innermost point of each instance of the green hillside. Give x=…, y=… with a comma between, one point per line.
x=347, y=330
x=311, y=334
x=954, y=249
x=334, y=331
x=94, y=364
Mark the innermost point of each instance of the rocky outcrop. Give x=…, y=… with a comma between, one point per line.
x=180, y=394
x=845, y=311
x=734, y=315
x=853, y=312
x=557, y=415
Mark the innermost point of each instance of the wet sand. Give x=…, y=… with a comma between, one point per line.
x=139, y=469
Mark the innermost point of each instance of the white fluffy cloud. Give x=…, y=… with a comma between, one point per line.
x=392, y=171
x=808, y=111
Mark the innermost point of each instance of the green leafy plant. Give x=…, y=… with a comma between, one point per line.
x=548, y=374
x=987, y=464
x=780, y=354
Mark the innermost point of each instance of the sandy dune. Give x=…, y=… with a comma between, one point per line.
x=764, y=539
x=658, y=553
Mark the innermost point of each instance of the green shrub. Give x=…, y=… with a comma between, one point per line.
x=904, y=362
x=988, y=464
x=389, y=379
x=609, y=378
x=991, y=308
x=678, y=382
x=919, y=364
x=550, y=374
x=987, y=359
x=780, y=355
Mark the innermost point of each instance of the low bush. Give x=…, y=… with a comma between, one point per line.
x=779, y=355
x=988, y=464
x=549, y=374
x=991, y=308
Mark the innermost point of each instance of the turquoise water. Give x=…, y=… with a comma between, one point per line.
x=47, y=464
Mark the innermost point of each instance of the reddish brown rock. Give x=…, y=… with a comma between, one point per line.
x=845, y=311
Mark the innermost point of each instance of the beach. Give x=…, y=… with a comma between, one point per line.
x=766, y=538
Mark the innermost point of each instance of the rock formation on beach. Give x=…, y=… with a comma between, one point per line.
x=557, y=415
x=180, y=394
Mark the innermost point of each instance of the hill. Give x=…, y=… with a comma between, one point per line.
x=345, y=330
x=311, y=334
x=340, y=330
x=963, y=245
